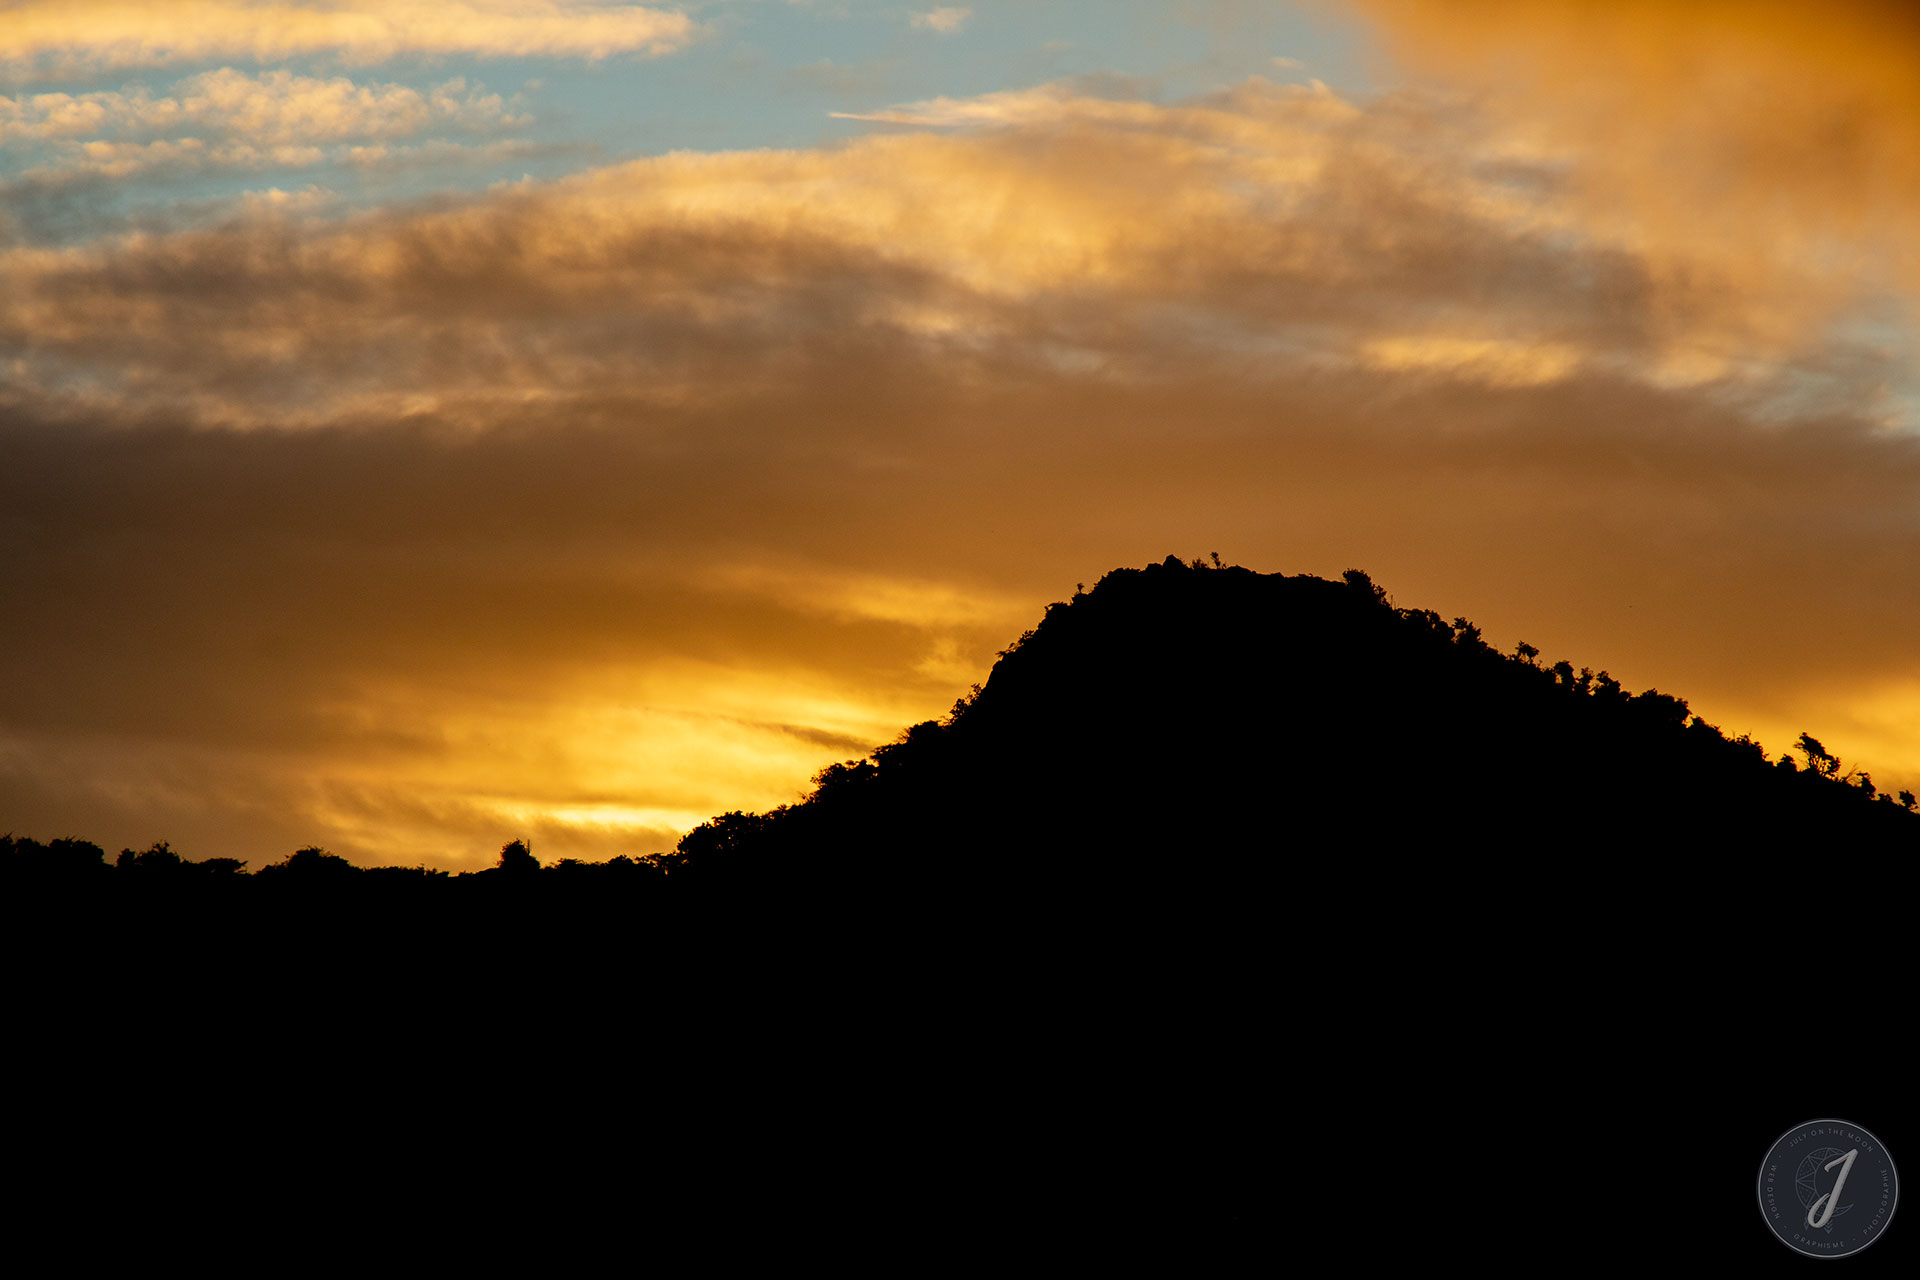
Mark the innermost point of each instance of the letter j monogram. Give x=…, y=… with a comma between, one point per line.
x=1832, y=1198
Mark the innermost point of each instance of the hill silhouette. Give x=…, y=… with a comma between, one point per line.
x=1183, y=722
x=1191, y=720
x=1210, y=852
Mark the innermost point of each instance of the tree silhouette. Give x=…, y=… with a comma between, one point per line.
x=65, y=861
x=157, y=859
x=516, y=857
x=310, y=864
x=1819, y=759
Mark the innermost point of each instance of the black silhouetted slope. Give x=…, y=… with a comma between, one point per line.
x=1177, y=726
x=1186, y=723
x=1192, y=899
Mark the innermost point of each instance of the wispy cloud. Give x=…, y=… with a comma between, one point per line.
x=63, y=37
x=946, y=20
x=273, y=108
x=1287, y=217
x=593, y=504
x=177, y=157
x=230, y=120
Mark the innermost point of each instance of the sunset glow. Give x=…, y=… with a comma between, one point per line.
x=424, y=424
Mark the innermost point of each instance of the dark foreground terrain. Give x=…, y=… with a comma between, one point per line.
x=1237, y=917
x=1187, y=722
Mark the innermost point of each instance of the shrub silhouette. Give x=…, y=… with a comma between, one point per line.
x=516, y=858
x=57, y=862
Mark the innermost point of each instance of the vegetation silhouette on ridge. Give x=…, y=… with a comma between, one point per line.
x=1190, y=720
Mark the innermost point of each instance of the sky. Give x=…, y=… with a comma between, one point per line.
x=425, y=423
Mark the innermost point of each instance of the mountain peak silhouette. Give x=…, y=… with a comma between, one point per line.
x=1180, y=723
x=1194, y=717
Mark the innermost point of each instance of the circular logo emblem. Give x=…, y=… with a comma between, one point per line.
x=1828, y=1188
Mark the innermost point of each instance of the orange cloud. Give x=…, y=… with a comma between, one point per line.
x=409, y=640
x=594, y=504
x=1749, y=137
x=1074, y=229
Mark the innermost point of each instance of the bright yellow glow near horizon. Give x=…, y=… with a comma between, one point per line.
x=431, y=422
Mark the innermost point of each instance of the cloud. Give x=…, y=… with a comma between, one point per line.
x=65, y=37
x=404, y=640
x=586, y=506
x=1717, y=133
x=277, y=107
x=1499, y=362
x=650, y=685
x=1011, y=107
x=1270, y=219
x=177, y=157
x=282, y=107
x=946, y=20
x=66, y=148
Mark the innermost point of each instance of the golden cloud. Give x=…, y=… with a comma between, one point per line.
x=648, y=492
x=275, y=108
x=1769, y=133
x=408, y=641
x=102, y=159
x=66, y=36
x=1078, y=230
